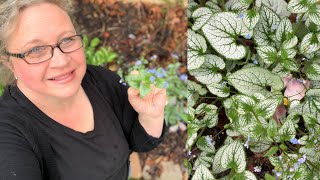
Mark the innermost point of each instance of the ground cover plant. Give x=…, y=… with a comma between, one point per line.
x=254, y=91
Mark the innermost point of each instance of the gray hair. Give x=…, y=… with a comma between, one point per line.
x=9, y=11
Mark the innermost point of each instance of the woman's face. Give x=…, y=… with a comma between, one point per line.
x=59, y=77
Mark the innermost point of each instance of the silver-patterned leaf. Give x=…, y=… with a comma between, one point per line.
x=266, y=108
x=283, y=28
x=216, y=165
x=210, y=120
x=208, y=72
x=202, y=173
x=205, y=108
x=259, y=147
x=310, y=43
x=234, y=157
x=313, y=72
x=191, y=7
x=268, y=54
x=287, y=130
x=201, y=16
x=298, y=6
x=190, y=140
x=265, y=29
x=219, y=89
x=205, y=159
x=314, y=15
x=250, y=18
x=205, y=143
x=213, y=5
x=222, y=30
x=254, y=80
x=249, y=175
x=290, y=43
x=278, y=6
x=236, y=5
x=196, y=48
x=312, y=103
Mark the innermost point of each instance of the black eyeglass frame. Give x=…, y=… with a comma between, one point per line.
x=22, y=55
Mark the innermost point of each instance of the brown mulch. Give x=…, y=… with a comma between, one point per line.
x=136, y=30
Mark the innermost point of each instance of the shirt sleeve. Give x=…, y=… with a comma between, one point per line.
x=112, y=86
x=17, y=160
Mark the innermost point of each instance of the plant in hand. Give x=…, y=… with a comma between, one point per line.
x=254, y=91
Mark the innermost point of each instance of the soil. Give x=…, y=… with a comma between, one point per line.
x=136, y=30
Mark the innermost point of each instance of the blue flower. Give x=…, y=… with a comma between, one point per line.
x=138, y=63
x=152, y=78
x=255, y=61
x=274, y=26
x=209, y=140
x=184, y=77
x=153, y=71
x=166, y=84
x=295, y=141
x=248, y=36
x=241, y=15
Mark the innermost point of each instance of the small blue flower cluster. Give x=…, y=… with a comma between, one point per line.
x=247, y=143
x=160, y=73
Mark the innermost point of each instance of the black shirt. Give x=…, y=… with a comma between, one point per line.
x=35, y=147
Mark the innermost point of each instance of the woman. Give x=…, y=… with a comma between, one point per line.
x=62, y=119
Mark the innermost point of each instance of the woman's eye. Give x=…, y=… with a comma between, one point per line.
x=36, y=50
x=66, y=40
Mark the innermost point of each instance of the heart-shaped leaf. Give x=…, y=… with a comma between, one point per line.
x=196, y=48
x=278, y=6
x=287, y=130
x=254, y=80
x=208, y=72
x=216, y=165
x=314, y=14
x=222, y=31
x=265, y=29
x=219, y=89
x=313, y=72
x=205, y=144
x=310, y=43
x=234, y=157
x=283, y=28
x=298, y=6
x=250, y=18
x=202, y=173
x=236, y=5
x=205, y=159
x=201, y=16
x=268, y=54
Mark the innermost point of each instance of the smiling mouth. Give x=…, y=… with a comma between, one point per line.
x=62, y=77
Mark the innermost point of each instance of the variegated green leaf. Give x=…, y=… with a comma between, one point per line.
x=283, y=28
x=314, y=14
x=205, y=144
x=280, y=71
x=245, y=103
x=267, y=53
x=313, y=72
x=196, y=48
x=254, y=80
x=202, y=173
x=264, y=32
x=236, y=5
x=205, y=159
x=310, y=43
x=266, y=108
x=194, y=90
x=191, y=7
x=250, y=18
x=278, y=6
x=210, y=120
x=213, y=5
x=287, y=130
x=208, y=72
x=234, y=157
x=312, y=102
x=216, y=165
x=219, y=89
x=222, y=31
x=275, y=161
x=290, y=42
x=205, y=108
x=201, y=16
x=259, y=147
x=190, y=140
x=288, y=60
x=298, y=6
x=245, y=175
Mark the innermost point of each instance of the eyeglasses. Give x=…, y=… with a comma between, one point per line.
x=41, y=54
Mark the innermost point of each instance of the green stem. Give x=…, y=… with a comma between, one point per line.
x=299, y=22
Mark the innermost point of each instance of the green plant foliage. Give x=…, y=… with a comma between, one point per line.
x=254, y=91
x=95, y=55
